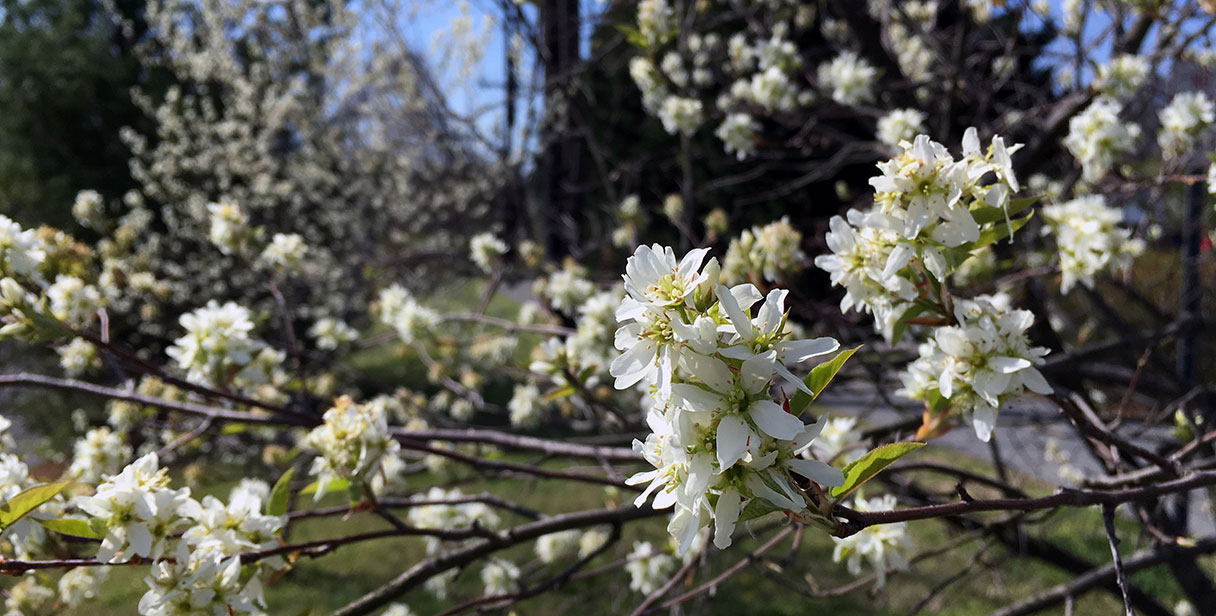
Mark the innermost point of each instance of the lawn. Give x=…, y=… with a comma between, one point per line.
x=316, y=587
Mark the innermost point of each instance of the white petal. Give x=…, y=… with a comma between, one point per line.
x=774, y=421
x=1009, y=365
x=796, y=351
x=733, y=435
x=726, y=513
x=757, y=372
x=983, y=418
x=711, y=371
x=746, y=295
x=140, y=538
x=738, y=318
x=1034, y=381
x=817, y=471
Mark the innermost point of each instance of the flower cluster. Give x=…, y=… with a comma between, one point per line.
x=285, y=250
x=21, y=249
x=882, y=546
x=900, y=125
x=98, y=454
x=848, y=78
x=1097, y=138
x=680, y=115
x=925, y=203
x=772, y=252
x=73, y=301
x=217, y=342
x=979, y=364
x=1089, y=238
x=229, y=226
x=738, y=134
x=26, y=536
x=1183, y=121
x=648, y=567
x=330, y=333
x=448, y=517
x=487, y=250
x=352, y=442
x=1121, y=76
x=718, y=438
x=401, y=311
x=138, y=510
x=89, y=209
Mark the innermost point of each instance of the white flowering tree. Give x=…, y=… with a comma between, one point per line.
x=965, y=342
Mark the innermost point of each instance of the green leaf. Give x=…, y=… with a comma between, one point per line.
x=866, y=467
x=986, y=214
x=336, y=484
x=72, y=526
x=996, y=233
x=233, y=428
x=913, y=311
x=20, y=505
x=632, y=35
x=277, y=505
x=757, y=507
x=818, y=380
x=559, y=393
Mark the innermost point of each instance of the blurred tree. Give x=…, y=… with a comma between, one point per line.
x=66, y=72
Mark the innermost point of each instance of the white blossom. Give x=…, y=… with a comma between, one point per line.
x=1089, y=239
x=81, y=584
x=22, y=250
x=525, y=406
x=351, y=442
x=405, y=314
x=557, y=546
x=1097, y=138
x=331, y=333
x=680, y=115
x=773, y=251
x=285, y=250
x=900, y=125
x=229, y=226
x=89, y=209
x=979, y=364
x=738, y=134
x=138, y=510
x=77, y=357
x=648, y=568
x=882, y=546
x=217, y=340
x=72, y=300
x=1183, y=121
x=98, y=454
x=849, y=79
x=1122, y=75
x=487, y=250
x=499, y=577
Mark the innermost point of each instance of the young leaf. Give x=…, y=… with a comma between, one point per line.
x=901, y=325
x=27, y=501
x=996, y=233
x=72, y=526
x=558, y=393
x=866, y=467
x=337, y=484
x=277, y=505
x=755, y=508
x=818, y=379
x=986, y=214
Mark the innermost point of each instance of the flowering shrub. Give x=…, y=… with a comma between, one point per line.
x=374, y=309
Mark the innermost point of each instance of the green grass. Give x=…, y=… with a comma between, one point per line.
x=321, y=585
